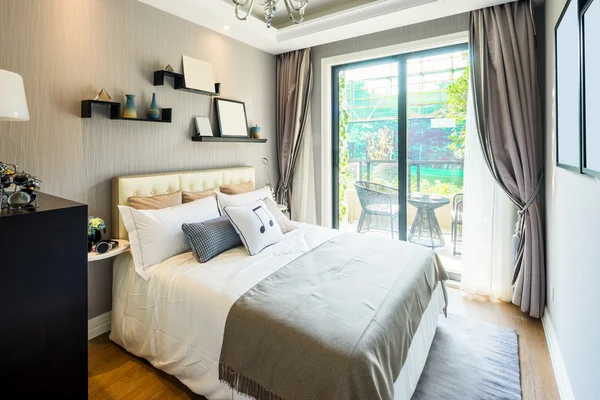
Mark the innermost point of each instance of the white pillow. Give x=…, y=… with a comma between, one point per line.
x=228, y=200
x=156, y=235
x=282, y=220
x=256, y=226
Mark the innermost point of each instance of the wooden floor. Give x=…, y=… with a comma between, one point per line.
x=115, y=374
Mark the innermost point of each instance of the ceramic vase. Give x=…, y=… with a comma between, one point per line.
x=129, y=111
x=154, y=111
x=255, y=132
x=93, y=239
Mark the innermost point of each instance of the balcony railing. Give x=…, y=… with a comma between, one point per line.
x=414, y=168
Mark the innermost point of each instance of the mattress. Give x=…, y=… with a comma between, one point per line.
x=176, y=319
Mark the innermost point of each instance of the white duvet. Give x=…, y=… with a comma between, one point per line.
x=176, y=319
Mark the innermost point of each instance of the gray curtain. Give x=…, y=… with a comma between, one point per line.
x=294, y=87
x=505, y=90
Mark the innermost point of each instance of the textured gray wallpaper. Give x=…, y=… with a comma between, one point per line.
x=67, y=50
x=424, y=30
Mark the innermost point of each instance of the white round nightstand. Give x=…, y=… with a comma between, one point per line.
x=123, y=247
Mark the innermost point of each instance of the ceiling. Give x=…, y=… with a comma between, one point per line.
x=326, y=21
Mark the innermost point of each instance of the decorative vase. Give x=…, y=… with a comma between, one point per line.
x=129, y=111
x=154, y=111
x=93, y=239
x=255, y=132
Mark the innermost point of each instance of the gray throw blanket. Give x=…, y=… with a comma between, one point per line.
x=336, y=323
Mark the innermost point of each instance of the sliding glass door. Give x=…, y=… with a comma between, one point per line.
x=398, y=145
x=366, y=145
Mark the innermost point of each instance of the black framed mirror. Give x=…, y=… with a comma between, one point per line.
x=590, y=32
x=568, y=86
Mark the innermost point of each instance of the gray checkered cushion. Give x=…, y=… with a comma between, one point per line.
x=210, y=238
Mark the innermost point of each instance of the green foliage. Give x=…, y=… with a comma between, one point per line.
x=344, y=173
x=380, y=145
x=360, y=133
x=456, y=107
x=424, y=142
x=436, y=187
x=387, y=174
x=384, y=174
x=372, y=134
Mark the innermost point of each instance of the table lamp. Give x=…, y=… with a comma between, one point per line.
x=13, y=104
x=13, y=107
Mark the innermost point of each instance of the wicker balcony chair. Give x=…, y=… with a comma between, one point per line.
x=378, y=200
x=457, y=219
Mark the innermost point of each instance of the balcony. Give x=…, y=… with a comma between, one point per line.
x=434, y=177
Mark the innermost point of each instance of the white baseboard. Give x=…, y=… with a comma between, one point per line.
x=99, y=325
x=558, y=364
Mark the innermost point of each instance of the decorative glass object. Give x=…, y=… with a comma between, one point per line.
x=129, y=111
x=19, y=199
x=103, y=96
x=17, y=189
x=154, y=111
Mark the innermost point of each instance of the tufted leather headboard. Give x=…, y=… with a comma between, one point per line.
x=123, y=187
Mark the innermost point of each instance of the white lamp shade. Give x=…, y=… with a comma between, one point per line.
x=13, y=104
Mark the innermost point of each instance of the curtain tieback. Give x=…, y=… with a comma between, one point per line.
x=523, y=208
x=520, y=225
x=285, y=196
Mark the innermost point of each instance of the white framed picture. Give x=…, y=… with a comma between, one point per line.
x=198, y=74
x=203, y=127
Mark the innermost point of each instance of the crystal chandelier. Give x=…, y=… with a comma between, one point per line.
x=295, y=9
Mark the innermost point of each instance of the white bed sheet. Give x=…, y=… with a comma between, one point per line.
x=176, y=319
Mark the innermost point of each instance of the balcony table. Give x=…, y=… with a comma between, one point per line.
x=425, y=229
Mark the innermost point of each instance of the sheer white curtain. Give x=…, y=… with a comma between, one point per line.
x=304, y=208
x=488, y=223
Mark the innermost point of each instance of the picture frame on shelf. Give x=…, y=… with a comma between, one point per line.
x=203, y=127
x=232, y=118
x=568, y=83
x=590, y=103
x=198, y=74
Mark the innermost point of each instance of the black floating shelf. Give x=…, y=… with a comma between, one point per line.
x=86, y=108
x=179, y=83
x=219, y=139
x=115, y=111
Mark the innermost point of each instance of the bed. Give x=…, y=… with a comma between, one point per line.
x=178, y=317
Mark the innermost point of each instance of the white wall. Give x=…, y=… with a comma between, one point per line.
x=573, y=262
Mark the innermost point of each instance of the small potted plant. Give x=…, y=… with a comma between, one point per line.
x=96, y=227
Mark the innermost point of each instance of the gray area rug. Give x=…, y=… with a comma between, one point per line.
x=471, y=360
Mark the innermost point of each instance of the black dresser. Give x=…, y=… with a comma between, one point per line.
x=43, y=300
